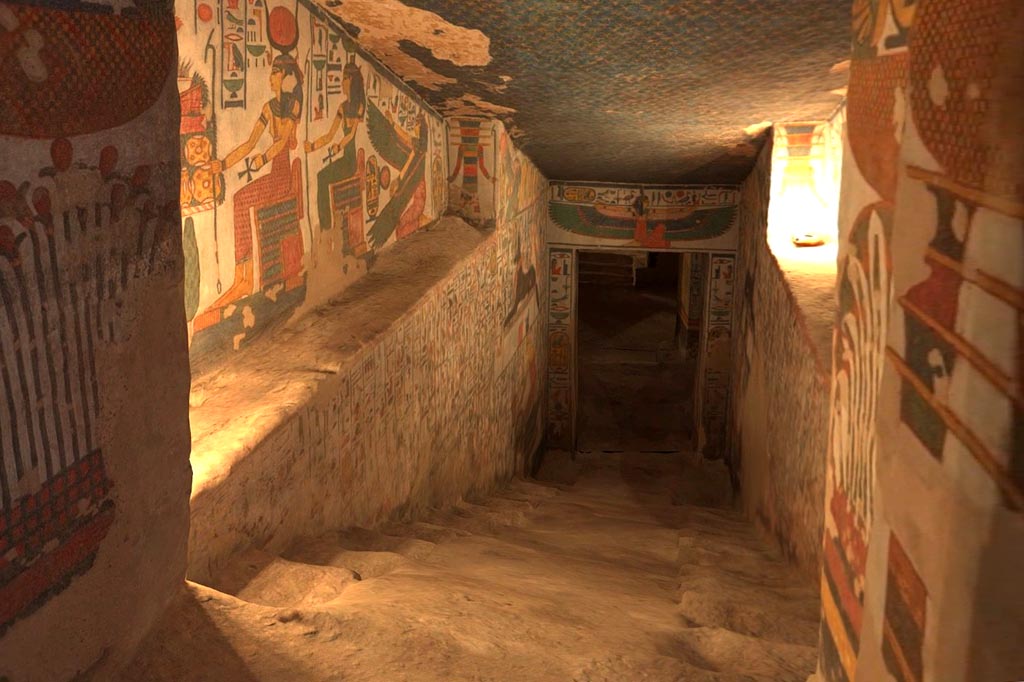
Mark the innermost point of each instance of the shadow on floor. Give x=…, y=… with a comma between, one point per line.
x=190, y=645
x=636, y=390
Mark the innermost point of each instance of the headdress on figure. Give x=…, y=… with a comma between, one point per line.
x=291, y=88
x=422, y=141
x=355, y=105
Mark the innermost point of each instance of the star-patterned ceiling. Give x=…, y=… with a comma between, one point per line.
x=652, y=91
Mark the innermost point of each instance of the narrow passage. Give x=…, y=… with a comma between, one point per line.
x=604, y=571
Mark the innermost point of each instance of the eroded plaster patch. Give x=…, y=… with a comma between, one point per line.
x=651, y=98
x=384, y=24
x=742, y=149
x=938, y=88
x=498, y=88
x=899, y=113
x=755, y=129
x=961, y=221
x=28, y=54
x=117, y=5
x=470, y=104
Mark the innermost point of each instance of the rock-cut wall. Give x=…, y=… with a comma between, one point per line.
x=419, y=385
x=780, y=417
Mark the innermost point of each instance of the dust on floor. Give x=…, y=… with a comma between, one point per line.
x=610, y=574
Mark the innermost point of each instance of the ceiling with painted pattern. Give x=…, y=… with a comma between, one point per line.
x=655, y=91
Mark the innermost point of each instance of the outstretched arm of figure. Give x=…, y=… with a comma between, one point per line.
x=286, y=127
x=326, y=137
x=401, y=133
x=481, y=163
x=458, y=166
x=242, y=150
x=405, y=169
x=350, y=134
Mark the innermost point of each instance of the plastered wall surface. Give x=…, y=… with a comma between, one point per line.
x=419, y=385
x=562, y=376
x=924, y=537
x=781, y=393
x=714, y=369
x=472, y=148
x=301, y=158
x=93, y=434
x=692, y=274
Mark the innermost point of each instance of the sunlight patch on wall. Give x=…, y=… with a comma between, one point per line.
x=806, y=172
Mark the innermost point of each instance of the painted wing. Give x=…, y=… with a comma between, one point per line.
x=391, y=147
x=588, y=220
x=704, y=223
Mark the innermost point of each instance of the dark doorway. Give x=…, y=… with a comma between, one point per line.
x=635, y=383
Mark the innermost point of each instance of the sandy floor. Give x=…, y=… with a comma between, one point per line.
x=607, y=575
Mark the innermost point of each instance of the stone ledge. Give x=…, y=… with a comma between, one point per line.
x=238, y=405
x=809, y=275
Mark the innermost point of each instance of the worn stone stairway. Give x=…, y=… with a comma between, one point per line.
x=606, y=569
x=608, y=268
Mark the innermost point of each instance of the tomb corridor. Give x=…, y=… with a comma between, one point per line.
x=444, y=340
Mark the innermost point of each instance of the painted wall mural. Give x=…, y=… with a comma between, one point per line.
x=53, y=484
x=643, y=216
x=691, y=291
x=960, y=316
x=931, y=282
x=63, y=97
x=520, y=352
x=695, y=294
x=520, y=201
x=448, y=399
x=300, y=159
x=906, y=605
x=87, y=218
x=877, y=89
x=715, y=362
x=472, y=143
x=692, y=274
x=561, y=348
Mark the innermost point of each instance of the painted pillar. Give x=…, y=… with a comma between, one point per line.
x=698, y=275
x=561, y=349
x=94, y=374
x=924, y=541
x=715, y=368
x=692, y=271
